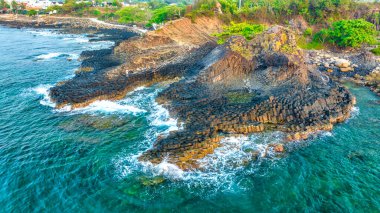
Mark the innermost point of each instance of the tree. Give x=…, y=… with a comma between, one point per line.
x=3, y=4
x=14, y=6
x=167, y=13
x=133, y=15
x=32, y=13
x=116, y=3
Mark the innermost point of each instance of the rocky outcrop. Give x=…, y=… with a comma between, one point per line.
x=170, y=52
x=240, y=87
x=361, y=67
x=264, y=84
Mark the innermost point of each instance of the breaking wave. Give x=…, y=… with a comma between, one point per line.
x=216, y=171
x=48, y=56
x=105, y=106
x=43, y=90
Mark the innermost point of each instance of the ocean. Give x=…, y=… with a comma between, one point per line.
x=85, y=160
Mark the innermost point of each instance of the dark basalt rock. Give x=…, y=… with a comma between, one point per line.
x=237, y=88
x=269, y=87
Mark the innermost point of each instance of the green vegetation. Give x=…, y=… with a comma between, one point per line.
x=4, y=4
x=166, y=13
x=71, y=7
x=308, y=32
x=154, y=12
x=376, y=51
x=239, y=97
x=348, y=33
x=133, y=15
x=312, y=45
x=243, y=29
x=32, y=13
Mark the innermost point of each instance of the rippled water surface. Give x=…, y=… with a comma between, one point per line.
x=85, y=160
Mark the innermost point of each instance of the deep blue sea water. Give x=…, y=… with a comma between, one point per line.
x=85, y=160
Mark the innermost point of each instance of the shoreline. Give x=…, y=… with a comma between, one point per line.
x=214, y=104
x=59, y=22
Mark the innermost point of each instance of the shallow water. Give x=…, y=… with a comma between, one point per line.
x=85, y=160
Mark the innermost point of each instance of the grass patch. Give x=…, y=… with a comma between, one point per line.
x=243, y=29
x=312, y=45
x=239, y=97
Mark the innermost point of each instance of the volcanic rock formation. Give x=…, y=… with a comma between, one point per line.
x=162, y=54
x=263, y=84
x=240, y=87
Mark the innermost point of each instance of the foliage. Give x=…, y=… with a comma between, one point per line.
x=239, y=97
x=352, y=33
x=155, y=4
x=309, y=45
x=96, y=13
x=348, y=33
x=70, y=6
x=321, y=36
x=133, y=14
x=32, y=13
x=116, y=3
x=308, y=32
x=3, y=4
x=107, y=16
x=314, y=11
x=54, y=7
x=244, y=29
x=376, y=51
x=209, y=7
x=167, y=13
x=14, y=6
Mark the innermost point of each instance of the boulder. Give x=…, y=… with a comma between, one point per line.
x=279, y=148
x=346, y=69
x=342, y=63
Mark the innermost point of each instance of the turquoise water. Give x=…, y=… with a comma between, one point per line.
x=85, y=160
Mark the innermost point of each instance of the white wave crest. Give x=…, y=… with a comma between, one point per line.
x=43, y=90
x=216, y=171
x=355, y=111
x=47, y=33
x=48, y=56
x=109, y=107
x=77, y=39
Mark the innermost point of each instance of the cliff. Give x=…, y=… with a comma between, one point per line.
x=163, y=54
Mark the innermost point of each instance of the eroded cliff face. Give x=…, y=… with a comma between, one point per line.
x=241, y=87
x=159, y=55
x=254, y=86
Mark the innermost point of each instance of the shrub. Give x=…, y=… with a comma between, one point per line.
x=348, y=33
x=96, y=12
x=352, y=33
x=54, y=7
x=322, y=36
x=308, y=32
x=244, y=29
x=376, y=51
x=32, y=13
x=133, y=15
x=167, y=13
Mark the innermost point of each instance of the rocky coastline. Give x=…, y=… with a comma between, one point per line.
x=241, y=87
